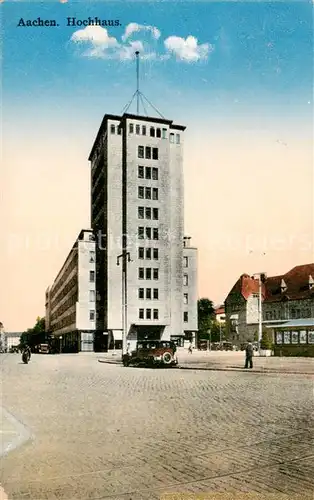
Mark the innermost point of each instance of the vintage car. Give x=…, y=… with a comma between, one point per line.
x=152, y=352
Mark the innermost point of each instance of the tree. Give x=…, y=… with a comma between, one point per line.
x=206, y=316
x=266, y=341
x=36, y=335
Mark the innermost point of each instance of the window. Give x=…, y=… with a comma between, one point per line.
x=155, y=273
x=311, y=336
x=294, y=337
x=155, y=193
x=141, y=232
x=140, y=151
x=148, y=193
x=185, y=262
x=141, y=293
x=91, y=237
x=178, y=138
x=141, y=313
x=119, y=130
x=148, y=153
x=148, y=293
x=185, y=316
x=148, y=173
x=92, y=295
x=286, y=337
x=155, y=173
x=185, y=298
x=171, y=137
x=92, y=256
x=152, y=132
x=148, y=313
x=148, y=273
x=148, y=213
x=140, y=172
x=164, y=133
x=155, y=253
x=143, y=129
x=158, y=132
x=137, y=129
x=91, y=315
x=141, y=253
x=92, y=276
x=131, y=128
x=155, y=233
x=148, y=253
x=303, y=337
x=140, y=212
x=112, y=129
x=149, y=233
x=185, y=280
x=155, y=313
x=155, y=153
x=155, y=213
x=141, y=192
x=278, y=337
x=155, y=293
x=141, y=273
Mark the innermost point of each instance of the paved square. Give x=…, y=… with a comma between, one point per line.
x=105, y=431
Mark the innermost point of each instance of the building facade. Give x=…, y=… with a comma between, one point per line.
x=70, y=301
x=137, y=196
x=285, y=297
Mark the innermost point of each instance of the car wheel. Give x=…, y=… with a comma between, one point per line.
x=167, y=358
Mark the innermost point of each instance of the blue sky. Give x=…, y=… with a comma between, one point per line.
x=262, y=56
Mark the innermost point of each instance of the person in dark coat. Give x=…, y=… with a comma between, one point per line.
x=249, y=355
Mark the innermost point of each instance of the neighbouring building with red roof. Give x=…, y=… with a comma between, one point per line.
x=286, y=297
x=220, y=314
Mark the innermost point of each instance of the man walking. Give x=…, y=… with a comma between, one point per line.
x=249, y=355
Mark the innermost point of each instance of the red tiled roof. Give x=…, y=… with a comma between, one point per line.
x=296, y=280
x=220, y=310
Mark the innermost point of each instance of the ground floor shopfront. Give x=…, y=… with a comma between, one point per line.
x=294, y=338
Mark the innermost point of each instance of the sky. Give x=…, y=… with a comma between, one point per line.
x=238, y=75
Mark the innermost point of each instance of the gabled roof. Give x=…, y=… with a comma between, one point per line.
x=296, y=281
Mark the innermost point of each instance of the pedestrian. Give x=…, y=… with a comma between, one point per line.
x=249, y=355
x=190, y=347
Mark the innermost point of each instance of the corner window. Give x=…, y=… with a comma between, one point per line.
x=140, y=151
x=119, y=130
x=164, y=133
x=131, y=128
x=155, y=313
x=155, y=153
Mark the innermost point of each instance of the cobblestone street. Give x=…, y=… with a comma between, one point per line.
x=104, y=431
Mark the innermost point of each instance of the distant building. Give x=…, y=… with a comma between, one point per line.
x=220, y=315
x=12, y=339
x=70, y=300
x=3, y=344
x=285, y=297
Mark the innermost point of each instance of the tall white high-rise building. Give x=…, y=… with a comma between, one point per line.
x=146, y=271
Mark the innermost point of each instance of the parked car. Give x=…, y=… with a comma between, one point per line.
x=152, y=352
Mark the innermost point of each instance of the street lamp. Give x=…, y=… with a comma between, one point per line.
x=125, y=256
x=60, y=338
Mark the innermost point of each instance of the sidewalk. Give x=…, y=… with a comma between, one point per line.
x=230, y=361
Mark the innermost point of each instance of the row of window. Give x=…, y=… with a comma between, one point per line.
x=293, y=314
x=142, y=130
x=148, y=253
x=147, y=173
x=289, y=337
x=147, y=193
x=147, y=213
x=147, y=152
x=150, y=293
x=148, y=233
x=148, y=314
x=147, y=273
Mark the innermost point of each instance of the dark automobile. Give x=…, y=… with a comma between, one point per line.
x=152, y=352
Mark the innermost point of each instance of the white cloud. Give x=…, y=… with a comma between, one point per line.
x=187, y=49
x=135, y=28
x=99, y=44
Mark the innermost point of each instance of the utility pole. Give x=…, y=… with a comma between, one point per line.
x=125, y=256
x=260, y=316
